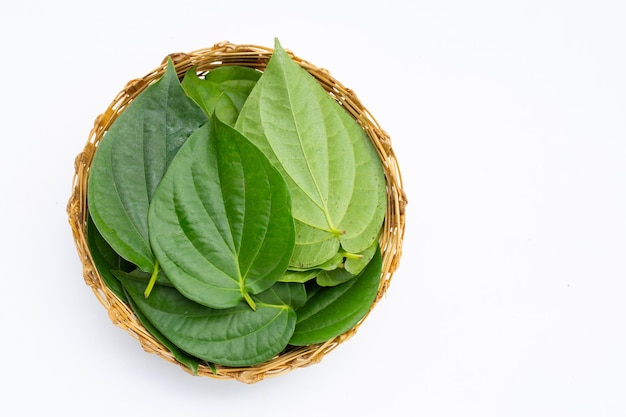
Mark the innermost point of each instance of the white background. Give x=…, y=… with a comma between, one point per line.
x=509, y=122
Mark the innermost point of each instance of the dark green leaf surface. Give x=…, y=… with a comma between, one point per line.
x=105, y=259
x=223, y=90
x=331, y=311
x=287, y=294
x=236, y=336
x=132, y=158
x=221, y=224
x=333, y=172
x=183, y=357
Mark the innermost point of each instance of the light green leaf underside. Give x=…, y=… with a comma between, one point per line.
x=299, y=276
x=331, y=167
x=335, y=277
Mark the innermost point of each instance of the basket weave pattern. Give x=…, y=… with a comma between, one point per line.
x=225, y=53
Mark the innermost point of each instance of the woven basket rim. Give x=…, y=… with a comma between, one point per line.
x=254, y=56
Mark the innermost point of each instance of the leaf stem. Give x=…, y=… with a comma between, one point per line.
x=152, y=281
x=337, y=232
x=350, y=255
x=249, y=300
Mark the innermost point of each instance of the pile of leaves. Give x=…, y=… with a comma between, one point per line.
x=238, y=212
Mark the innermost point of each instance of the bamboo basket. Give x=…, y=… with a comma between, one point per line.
x=220, y=54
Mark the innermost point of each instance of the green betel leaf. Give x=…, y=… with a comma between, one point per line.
x=355, y=263
x=344, y=266
x=110, y=265
x=236, y=336
x=183, y=357
x=331, y=311
x=287, y=294
x=223, y=90
x=334, y=262
x=332, y=169
x=335, y=277
x=105, y=259
x=220, y=221
x=131, y=160
x=299, y=276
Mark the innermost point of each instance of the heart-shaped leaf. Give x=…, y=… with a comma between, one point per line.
x=131, y=160
x=220, y=221
x=332, y=169
x=331, y=311
x=236, y=336
x=223, y=90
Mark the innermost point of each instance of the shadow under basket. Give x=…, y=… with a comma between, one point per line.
x=225, y=53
